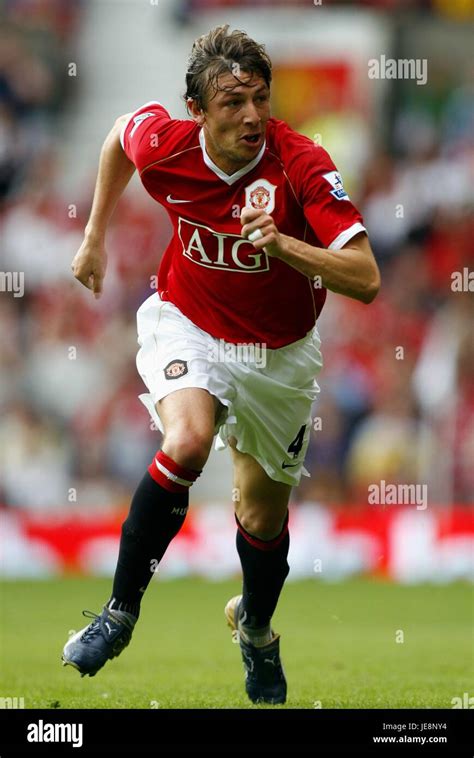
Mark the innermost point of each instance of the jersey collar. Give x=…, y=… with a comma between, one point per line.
x=229, y=178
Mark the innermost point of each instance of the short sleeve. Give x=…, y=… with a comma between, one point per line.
x=140, y=136
x=326, y=204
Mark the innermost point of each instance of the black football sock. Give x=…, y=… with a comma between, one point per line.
x=265, y=568
x=156, y=516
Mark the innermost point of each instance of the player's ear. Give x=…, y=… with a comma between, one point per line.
x=194, y=110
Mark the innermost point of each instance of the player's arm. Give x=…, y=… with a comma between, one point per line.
x=115, y=172
x=350, y=271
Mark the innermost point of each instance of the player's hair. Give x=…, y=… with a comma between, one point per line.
x=220, y=52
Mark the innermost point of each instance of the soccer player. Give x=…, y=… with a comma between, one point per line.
x=262, y=227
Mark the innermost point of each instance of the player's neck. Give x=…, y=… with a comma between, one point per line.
x=227, y=165
x=221, y=160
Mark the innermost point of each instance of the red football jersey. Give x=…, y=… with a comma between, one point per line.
x=211, y=273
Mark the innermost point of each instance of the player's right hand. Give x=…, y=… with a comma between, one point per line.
x=89, y=265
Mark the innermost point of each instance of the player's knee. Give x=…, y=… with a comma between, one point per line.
x=264, y=526
x=188, y=447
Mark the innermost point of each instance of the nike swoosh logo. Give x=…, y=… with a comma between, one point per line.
x=288, y=465
x=170, y=199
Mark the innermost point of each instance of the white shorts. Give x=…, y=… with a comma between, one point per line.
x=266, y=395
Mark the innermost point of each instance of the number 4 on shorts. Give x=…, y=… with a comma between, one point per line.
x=295, y=446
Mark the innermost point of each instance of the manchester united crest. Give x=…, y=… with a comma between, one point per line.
x=260, y=195
x=259, y=198
x=175, y=369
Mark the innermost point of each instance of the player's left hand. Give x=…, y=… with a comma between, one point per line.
x=271, y=241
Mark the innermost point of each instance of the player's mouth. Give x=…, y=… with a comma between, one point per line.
x=252, y=139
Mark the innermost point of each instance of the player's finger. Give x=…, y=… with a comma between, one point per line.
x=85, y=278
x=249, y=214
x=256, y=235
x=260, y=223
x=268, y=239
x=97, y=286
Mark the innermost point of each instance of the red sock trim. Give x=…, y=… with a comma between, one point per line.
x=264, y=544
x=176, y=468
x=164, y=473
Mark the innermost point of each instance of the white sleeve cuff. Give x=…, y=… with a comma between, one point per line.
x=344, y=237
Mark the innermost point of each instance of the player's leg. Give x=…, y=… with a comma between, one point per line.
x=271, y=409
x=261, y=511
x=157, y=512
x=261, y=504
x=160, y=503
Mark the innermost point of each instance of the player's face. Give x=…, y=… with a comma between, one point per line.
x=235, y=120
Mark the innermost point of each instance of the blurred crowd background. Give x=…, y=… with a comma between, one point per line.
x=397, y=399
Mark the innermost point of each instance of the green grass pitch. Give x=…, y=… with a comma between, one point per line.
x=339, y=646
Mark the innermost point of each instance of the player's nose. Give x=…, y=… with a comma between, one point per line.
x=251, y=115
